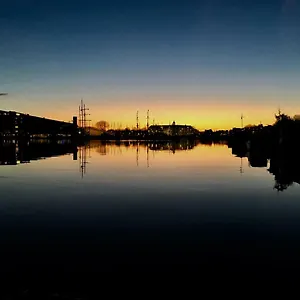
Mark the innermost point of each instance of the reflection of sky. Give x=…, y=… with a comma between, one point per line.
x=217, y=57
x=189, y=207
x=124, y=175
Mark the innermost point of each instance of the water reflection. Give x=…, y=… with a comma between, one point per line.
x=83, y=150
x=116, y=148
x=137, y=207
x=284, y=167
x=286, y=171
x=13, y=153
x=107, y=147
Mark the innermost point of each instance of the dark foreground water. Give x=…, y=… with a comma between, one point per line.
x=133, y=210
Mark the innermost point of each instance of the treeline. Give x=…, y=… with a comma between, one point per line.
x=278, y=144
x=284, y=131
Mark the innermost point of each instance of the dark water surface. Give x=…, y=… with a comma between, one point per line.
x=140, y=209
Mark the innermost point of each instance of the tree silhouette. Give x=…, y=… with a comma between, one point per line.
x=102, y=125
x=282, y=119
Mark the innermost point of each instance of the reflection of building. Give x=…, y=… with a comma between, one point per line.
x=102, y=149
x=22, y=152
x=172, y=146
x=172, y=130
x=8, y=154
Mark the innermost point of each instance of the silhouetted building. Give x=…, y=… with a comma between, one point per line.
x=14, y=124
x=172, y=130
x=8, y=123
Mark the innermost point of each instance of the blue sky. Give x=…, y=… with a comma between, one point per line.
x=185, y=60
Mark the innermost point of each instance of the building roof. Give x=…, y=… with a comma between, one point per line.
x=167, y=126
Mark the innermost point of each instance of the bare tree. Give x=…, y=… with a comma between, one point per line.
x=102, y=125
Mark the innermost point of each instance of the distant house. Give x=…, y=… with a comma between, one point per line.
x=172, y=130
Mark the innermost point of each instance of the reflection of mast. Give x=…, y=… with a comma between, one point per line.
x=82, y=160
x=241, y=166
x=137, y=154
x=147, y=155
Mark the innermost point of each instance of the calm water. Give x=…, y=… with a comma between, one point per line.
x=112, y=208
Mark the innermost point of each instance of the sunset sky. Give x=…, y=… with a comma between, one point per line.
x=198, y=62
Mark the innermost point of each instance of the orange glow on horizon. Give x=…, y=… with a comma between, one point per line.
x=212, y=114
x=201, y=117
x=206, y=118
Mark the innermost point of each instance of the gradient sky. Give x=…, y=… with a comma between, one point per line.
x=198, y=62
